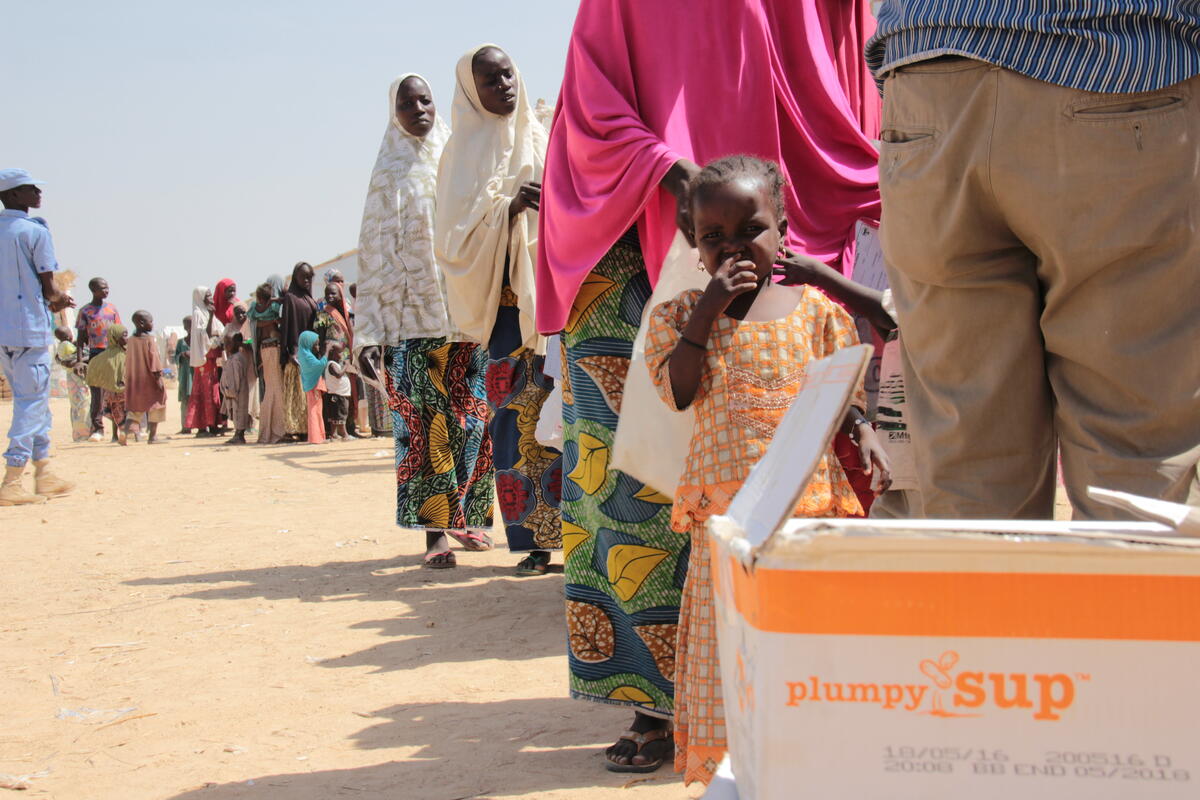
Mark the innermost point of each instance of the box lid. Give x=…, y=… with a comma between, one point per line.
x=763, y=506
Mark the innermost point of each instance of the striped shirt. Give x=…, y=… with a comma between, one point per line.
x=1094, y=45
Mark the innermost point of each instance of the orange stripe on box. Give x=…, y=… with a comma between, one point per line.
x=997, y=604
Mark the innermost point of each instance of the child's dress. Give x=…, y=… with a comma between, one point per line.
x=752, y=372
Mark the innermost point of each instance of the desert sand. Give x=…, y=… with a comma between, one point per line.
x=202, y=622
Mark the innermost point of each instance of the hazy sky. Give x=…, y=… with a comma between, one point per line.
x=187, y=142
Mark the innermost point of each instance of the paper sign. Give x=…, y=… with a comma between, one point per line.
x=771, y=491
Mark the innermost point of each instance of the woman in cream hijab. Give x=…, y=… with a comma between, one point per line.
x=403, y=329
x=202, y=406
x=486, y=238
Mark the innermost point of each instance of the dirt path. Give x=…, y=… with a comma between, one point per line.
x=201, y=622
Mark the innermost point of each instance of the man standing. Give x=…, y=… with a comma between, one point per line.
x=1040, y=174
x=93, y=322
x=28, y=297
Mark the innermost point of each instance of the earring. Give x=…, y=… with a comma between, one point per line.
x=699, y=265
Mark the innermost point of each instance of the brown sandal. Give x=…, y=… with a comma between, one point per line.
x=641, y=740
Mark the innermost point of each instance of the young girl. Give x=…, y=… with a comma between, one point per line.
x=337, y=392
x=312, y=382
x=736, y=352
x=106, y=372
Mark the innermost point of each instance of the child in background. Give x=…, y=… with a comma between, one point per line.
x=183, y=369
x=312, y=382
x=144, y=390
x=337, y=388
x=106, y=372
x=736, y=352
x=67, y=355
x=235, y=385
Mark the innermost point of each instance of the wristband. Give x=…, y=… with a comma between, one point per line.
x=697, y=345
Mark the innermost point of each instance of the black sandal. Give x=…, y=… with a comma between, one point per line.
x=642, y=740
x=536, y=563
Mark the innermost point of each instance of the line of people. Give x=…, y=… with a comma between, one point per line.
x=280, y=362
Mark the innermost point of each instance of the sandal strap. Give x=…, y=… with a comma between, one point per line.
x=643, y=739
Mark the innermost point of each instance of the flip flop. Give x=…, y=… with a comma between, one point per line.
x=444, y=560
x=474, y=541
x=641, y=740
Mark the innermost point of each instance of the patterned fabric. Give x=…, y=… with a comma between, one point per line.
x=1097, y=46
x=378, y=414
x=443, y=450
x=330, y=328
x=96, y=319
x=81, y=402
x=114, y=406
x=700, y=742
x=295, y=406
x=624, y=565
x=401, y=288
x=752, y=372
x=202, y=405
x=528, y=475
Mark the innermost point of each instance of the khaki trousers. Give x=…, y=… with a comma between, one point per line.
x=1043, y=245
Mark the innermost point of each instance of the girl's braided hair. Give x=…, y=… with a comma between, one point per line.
x=723, y=170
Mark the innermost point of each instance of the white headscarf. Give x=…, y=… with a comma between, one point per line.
x=401, y=290
x=486, y=159
x=200, y=315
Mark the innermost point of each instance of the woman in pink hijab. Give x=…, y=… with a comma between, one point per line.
x=647, y=95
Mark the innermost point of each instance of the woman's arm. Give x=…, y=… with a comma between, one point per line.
x=676, y=182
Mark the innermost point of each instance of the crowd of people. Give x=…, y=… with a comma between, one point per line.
x=1045, y=315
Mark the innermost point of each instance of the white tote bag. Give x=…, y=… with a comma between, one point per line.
x=652, y=439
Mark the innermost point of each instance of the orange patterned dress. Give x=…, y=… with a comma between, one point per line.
x=752, y=372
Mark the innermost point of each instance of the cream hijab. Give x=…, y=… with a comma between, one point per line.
x=200, y=312
x=487, y=158
x=401, y=291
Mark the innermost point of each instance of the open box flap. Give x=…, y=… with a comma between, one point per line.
x=777, y=481
x=1185, y=520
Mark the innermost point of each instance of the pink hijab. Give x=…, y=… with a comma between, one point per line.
x=779, y=79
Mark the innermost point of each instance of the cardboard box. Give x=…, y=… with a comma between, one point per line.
x=937, y=659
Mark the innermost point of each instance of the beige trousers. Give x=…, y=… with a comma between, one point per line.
x=1043, y=245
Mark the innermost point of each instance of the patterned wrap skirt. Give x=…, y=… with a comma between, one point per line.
x=528, y=474
x=295, y=405
x=81, y=401
x=625, y=567
x=379, y=414
x=439, y=423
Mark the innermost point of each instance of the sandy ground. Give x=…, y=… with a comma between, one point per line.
x=203, y=622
